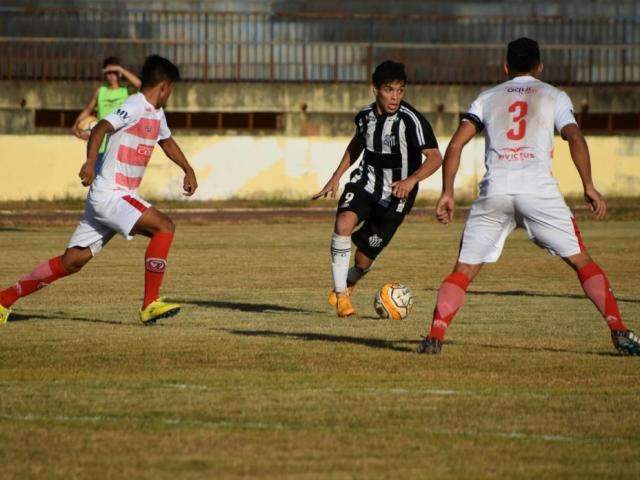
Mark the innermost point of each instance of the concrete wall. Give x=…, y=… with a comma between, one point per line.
x=308, y=108
x=46, y=166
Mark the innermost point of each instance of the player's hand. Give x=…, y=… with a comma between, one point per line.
x=331, y=188
x=402, y=188
x=596, y=202
x=82, y=135
x=87, y=174
x=190, y=183
x=444, y=208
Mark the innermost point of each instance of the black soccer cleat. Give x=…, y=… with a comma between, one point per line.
x=626, y=342
x=430, y=346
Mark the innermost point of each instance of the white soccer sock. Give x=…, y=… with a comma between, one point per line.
x=340, y=258
x=356, y=273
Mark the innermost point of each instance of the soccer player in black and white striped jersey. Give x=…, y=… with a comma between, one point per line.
x=394, y=137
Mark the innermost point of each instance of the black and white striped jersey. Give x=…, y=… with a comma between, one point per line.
x=393, y=146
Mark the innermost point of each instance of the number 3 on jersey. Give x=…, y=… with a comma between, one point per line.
x=518, y=108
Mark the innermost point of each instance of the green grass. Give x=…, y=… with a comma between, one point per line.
x=258, y=379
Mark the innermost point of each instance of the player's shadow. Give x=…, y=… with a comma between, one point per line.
x=533, y=349
x=23, y=317
x=524, y=293
x=324, y=337
x=12, y=229
x=247, y=307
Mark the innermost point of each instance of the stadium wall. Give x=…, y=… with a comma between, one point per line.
x=46, y=166
x=306, y=109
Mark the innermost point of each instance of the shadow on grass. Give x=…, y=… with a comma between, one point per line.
x=246, y=307
x=392, y=345
x=533, y=349
x=524, y=293
x=22, y=317
x=324, y=337
x=12, y=229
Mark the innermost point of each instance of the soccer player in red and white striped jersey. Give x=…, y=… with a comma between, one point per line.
x=113, y=204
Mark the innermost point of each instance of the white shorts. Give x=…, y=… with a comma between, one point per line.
x=105, y=214
x=548, y=221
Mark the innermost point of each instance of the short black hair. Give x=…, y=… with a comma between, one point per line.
x=157, y=69
x=110, y=61
x=523, y=55
x=387, y=72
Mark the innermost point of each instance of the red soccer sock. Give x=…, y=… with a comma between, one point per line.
x=450, y=299
x=596, y=286
x=155, y=262
x=41, y=276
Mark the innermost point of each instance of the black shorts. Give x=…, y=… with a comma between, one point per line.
x=380, y=222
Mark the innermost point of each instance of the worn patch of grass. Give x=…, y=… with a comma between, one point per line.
x=257, y=378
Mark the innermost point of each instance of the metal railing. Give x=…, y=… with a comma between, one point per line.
x=79, y=59
x=312, y=48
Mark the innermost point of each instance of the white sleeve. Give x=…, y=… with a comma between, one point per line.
x=474, y=114
x=563, y=114
x=164, y=131
x=127, y=114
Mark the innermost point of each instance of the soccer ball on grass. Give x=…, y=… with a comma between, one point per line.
x=394, y=301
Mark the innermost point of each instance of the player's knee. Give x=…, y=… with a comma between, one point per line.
x=171, y=227
x=343, y=228
x=578, y=261
x=342, y=231
x=469, y=270
x=166, y=226
x=74, y=262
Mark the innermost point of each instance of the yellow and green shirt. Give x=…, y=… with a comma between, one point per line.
x=108, y=100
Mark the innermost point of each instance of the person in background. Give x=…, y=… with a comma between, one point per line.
x=107, y=97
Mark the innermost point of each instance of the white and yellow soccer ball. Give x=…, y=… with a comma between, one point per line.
x=87, y=123
x=394, y=301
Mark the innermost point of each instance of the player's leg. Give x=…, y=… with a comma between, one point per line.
x=87, y=240
x=130, y=215
x=596, y=286
x=490, y=222
x=371, y=239
x=353, y=207
x=551, y=225
x=41, y=276
x=450, y=299
x=361, y=266
x=160, y=229
x=346, y=222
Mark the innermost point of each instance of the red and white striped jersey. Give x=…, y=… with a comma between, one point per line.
x=138, y=127
x=519, y=117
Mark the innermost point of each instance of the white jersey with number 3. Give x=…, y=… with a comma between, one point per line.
x=519, y=117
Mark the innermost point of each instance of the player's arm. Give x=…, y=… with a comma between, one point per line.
x=351, y=154
x=131, y=77
x=86, y=111
x=175, y=154
x=433, y=162
x=451, y=163
x=88, y=169
x=580, y=156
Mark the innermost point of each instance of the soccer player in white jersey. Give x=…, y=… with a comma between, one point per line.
x=113, y=204
x=394, y=137
x=518, y=190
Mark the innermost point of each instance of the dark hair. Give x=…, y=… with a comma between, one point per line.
x=387, y=72
x=157, y=69
x=110, y=61
x=523, y=55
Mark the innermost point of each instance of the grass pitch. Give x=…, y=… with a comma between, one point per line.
x=257, y=377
